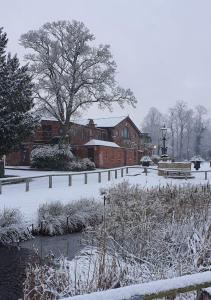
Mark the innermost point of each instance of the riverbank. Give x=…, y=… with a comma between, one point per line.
x=14, y=259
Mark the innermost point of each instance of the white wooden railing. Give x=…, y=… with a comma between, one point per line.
x=168, y=288
x=123, y=171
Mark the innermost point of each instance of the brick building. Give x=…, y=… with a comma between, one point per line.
x=109, y=142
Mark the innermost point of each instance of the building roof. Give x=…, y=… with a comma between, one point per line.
x=94, y=142
x=103, y=122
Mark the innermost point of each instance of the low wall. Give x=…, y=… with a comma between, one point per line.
x=183, y=166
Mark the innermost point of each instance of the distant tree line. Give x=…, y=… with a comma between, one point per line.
x=189, y=130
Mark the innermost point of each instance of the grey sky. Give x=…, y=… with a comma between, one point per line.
x=162, y=47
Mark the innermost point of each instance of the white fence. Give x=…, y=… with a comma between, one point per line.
x=155, y=289
x=123, y=171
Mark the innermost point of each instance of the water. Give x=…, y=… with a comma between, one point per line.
x=13, y=260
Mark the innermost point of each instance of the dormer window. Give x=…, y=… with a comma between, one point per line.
x=125, y=133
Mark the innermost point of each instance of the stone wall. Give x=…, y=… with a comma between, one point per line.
x=184, y=166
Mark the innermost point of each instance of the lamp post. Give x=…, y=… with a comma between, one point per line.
x=164, y=148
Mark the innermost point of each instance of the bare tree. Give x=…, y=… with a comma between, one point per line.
x=71, y=74
x=189, y=133
x=200, y=125
x=181, y=113
x=152, y=124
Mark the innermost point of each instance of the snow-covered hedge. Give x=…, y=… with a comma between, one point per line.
x=55, y=157
x=58, y=157
x=56, y=218
x=12, y=229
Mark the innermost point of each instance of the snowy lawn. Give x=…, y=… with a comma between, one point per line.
x=14, y=195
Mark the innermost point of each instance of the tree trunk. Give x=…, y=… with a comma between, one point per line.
x=1, y=168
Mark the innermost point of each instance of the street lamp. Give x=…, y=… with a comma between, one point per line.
x=164, y=148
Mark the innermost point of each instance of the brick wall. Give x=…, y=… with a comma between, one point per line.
x=133, y=140
x=108, y=157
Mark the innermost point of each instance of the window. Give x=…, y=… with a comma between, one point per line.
x=125, y=133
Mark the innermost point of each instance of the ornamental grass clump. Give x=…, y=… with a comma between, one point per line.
x=57, y=218
x=12, y=228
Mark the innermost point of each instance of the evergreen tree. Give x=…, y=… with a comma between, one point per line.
x=16, y=102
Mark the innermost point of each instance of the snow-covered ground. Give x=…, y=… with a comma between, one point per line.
x=14, y=195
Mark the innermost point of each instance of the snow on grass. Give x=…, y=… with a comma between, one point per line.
x=14, y=195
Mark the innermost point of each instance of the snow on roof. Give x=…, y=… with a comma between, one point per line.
x=48, y=118
x=99, y=122
x=102, y=122
x=101, y=143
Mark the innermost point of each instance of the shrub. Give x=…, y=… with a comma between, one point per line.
x=57, y=218
x=84, y=164
x=12, y=229
x=53, y=157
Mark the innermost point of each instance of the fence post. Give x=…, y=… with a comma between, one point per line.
x=127, y=170
x=50, y=181
x=115, y=174
x=85, y=178
x=0, y=187
x=205, y=173
x=109, y=175
x=27, y=185
x=99, y=177
x=69, y=180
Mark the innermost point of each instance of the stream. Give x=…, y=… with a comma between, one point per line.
x=14, y=259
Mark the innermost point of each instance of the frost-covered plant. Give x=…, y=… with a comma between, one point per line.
x=56, y=218
x=59, y=157
x=12, y=229
x=88, y=272
x=166, y=229
x=55, y=157
x=84, y=164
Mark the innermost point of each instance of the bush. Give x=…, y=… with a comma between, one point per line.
x=84, y=164
x=55, y=157
x=11, y=228
x=57, y=219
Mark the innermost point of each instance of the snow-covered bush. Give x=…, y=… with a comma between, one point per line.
x=54, y=157
x=12, y=229
x=58, y=157
x=56, y=218
x=84, y=164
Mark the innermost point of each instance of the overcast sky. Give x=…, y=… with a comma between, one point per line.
x=162, y=47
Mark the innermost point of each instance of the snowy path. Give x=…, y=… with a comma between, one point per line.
x=14, y=196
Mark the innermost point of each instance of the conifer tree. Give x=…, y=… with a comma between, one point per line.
x=16, y=101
